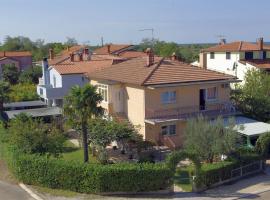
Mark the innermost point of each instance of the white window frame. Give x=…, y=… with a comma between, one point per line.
x=104, y=91
x=211, y=99
x=168, y=128
x=171, y=97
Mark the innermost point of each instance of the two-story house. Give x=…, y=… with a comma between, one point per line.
x=160, y=95
x=21, y=59
x=236, y=58
x=71, y=68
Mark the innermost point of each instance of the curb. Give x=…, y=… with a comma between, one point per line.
x=30, y=192
x=246, y=195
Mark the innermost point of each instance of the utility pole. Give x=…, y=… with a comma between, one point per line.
x=102, y=41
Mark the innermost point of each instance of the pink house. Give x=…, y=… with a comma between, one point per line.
x=21, y=59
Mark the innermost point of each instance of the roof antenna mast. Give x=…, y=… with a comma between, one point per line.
x=152, y=32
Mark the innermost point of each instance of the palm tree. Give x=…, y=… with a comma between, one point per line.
x=4, y=94
x=80, y=105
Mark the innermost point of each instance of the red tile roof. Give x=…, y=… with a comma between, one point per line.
x=114, y=48
x=132, y=54
x=235, y=47
x=134, y=71
x=15, y=53
x=261, y=64
x=81, y=67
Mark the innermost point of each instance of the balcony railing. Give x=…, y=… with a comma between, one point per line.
x=213, y=109
x=40, y=81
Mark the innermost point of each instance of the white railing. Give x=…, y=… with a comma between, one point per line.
x=40, y=81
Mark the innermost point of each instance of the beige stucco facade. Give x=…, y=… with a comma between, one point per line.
x=135, y=102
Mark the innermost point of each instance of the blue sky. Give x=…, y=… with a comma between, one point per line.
x=118, y=21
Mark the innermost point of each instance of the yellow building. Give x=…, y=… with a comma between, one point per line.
x=160, y=95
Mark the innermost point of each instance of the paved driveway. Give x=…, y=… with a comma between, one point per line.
x=12, y=192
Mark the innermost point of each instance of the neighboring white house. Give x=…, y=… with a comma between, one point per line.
x=236, y=58
x=73, y=70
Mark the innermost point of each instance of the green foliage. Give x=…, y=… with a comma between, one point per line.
x=252, y=98
x=187, y=53
x=263, y=145
x=23, y=92
x=91, y=178
x=4, y=91
x=208, y=140
x=10, y=73
x=81, y=105
x=33, y=136
x=31, y=75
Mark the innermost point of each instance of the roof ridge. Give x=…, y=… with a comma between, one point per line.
x=151, y=73
x=240, y=46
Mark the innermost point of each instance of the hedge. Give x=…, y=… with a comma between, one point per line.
x=90, y=178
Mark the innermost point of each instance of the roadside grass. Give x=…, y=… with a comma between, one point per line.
x=54, y=192
x=73, y=153
x=182, y=178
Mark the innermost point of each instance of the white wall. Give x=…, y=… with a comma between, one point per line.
x=221, y=64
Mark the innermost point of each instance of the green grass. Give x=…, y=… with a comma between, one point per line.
x=55, y=192
x=73, y=153
x=182, y=178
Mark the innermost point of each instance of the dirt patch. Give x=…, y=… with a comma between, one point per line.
x=5, y=174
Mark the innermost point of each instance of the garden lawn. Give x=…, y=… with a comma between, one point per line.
x=73, y=153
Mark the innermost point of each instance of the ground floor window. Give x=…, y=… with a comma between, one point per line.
x=211, y=93
x=103, y=90
x=168, y=129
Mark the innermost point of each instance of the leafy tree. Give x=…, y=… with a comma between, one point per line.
x=4, y=94
x=31, y=75
x=23, y=92
x=11, y=73
x=263, y=145
x=252, y=98
x=71, y=41
x=33, y=136
x=207, y=140
x=80, y=105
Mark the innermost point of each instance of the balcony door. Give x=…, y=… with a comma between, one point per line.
x=119, y=100
x=202, y=99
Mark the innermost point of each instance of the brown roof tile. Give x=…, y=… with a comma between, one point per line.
x=134, y=71
x=261, y=64
x=113, y=48
x=236, y=46
x=132, y=54
x=15, y=53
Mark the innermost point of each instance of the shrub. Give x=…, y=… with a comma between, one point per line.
x=23, y=92
x=90, y=178
x=263, y=145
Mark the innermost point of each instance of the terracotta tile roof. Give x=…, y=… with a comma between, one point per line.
x=132, y=54
x=134, y=71
x=236, y=46
x=261, y=64
x=81, y=67
x=114, y=48
x=15, y=53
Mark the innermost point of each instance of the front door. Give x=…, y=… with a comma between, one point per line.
x=202, y=99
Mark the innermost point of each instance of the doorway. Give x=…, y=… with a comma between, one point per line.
x=202, y=99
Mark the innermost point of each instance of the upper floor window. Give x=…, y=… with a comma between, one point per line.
x=168, y=130
x=264, y=55
x=168, y=97
x=211, y=93
x=103, y=90
x=228, y=55
x=212, y=55
x=249, y=55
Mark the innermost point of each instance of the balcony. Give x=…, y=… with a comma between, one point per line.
x=178, y=113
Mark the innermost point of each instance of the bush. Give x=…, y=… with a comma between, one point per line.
x=31, y=75
x=23, y=92
x=263, y=145
x=90, y=178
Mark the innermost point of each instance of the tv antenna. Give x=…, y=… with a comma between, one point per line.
x=149, y=29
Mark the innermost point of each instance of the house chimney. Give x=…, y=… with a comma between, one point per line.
x=150, y=57
x=86, y=54
x=109, y=48
x=45, y=71
x=71, y=57
x=173, y=57
x=51, y=54
x=260, y=43
x=222, y=41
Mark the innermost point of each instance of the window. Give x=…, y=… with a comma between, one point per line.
x=228, y=55
x=249, y=55
x=212, y=55
x=54, y=81
x=168, y=130
x=40, y=91
x=103, y=90
x=264, y=55
x=211, y=93
x=168, y=97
